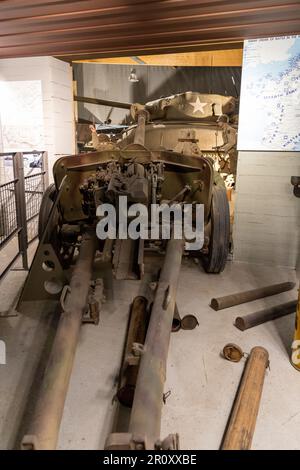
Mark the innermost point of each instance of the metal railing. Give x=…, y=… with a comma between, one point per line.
x=20, y=200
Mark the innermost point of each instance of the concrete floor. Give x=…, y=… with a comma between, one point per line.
x=202, y=383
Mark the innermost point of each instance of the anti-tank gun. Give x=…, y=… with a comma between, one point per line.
x=70, y=259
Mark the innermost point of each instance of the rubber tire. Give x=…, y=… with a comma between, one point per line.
x=45, y=209
x=215, y=260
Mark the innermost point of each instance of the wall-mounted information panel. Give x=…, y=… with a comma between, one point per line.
x=270, y=95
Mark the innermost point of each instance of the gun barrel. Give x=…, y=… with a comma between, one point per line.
x=101, y=102
x=151, y=375
x=44, y=427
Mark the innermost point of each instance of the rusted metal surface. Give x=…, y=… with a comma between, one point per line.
x=128, y=259
x=95, y=300
x=43, y=282
x=241, y=425
x=93, y=28
x=44, y=427
x=232, y=352
x=295, y=353
x=176, y=323
x=145, y=420
x=139, y=135
x=267, y=314
x=180, y=170
x=189, y=322
x=242, y=297
x=138, y=323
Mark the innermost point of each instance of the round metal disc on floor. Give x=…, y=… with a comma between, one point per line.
x=189, y=322
x=232, y=352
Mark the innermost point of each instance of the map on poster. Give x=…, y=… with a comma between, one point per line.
x=270, y=95
x=21, y=115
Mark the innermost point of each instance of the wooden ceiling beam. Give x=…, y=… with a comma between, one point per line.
x=105, y=28
x=208, y=58
x=96, y=27
x=147, y=41
x=27, y=9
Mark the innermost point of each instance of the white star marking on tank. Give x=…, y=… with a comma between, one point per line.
x=198, y=106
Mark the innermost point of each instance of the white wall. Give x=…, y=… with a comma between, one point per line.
x=57, y=100
x=267, y=214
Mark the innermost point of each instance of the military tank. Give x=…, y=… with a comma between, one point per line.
x=186, y=117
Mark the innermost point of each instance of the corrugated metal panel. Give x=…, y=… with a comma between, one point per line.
x=103, y=28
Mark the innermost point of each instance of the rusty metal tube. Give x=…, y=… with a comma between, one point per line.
x=139, y=135
x=145, y=419
x=136, y=334
x=241, y=297
x=267, y=314
x=241, y=425
x=44, y=427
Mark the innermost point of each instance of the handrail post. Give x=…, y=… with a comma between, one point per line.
x=18, y=166
x=45, y=170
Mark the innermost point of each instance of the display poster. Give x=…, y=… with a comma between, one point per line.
x=269, y=116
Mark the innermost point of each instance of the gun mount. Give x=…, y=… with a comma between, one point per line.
x=69, y=264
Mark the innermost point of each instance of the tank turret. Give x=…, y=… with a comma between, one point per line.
x=191, y=106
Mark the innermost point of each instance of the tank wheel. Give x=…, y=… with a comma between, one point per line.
x=45, y=209
x=215, y=260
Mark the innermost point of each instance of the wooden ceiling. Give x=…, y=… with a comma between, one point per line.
x=107, y=28
x=211, y=58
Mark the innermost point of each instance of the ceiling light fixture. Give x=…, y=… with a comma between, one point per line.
x=133, y=76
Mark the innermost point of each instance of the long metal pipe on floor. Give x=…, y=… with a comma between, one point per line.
x=241, y=297
x=145, y=419
x=267, y=314
x=44, y=427
x=241, y=426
